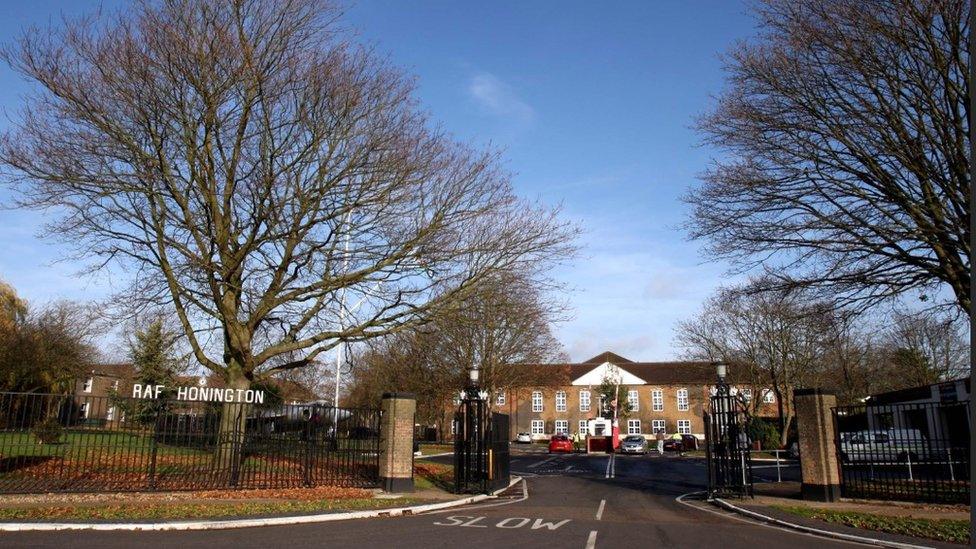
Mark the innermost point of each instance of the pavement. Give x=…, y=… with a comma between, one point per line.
x=584, y=501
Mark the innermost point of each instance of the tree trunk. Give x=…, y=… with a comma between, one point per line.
x=229, y=453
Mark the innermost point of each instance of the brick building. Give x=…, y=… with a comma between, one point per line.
x=662, y=395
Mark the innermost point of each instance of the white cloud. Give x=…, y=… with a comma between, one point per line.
x=499, y=98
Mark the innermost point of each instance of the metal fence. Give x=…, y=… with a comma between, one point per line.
x=912, y=452
x=727, y=453
x=75, y=443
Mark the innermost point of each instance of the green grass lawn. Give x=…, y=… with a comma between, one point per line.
x=431, y=449
x=73, y=442
x=952, y=531
x=429, y=475
x=208, y=510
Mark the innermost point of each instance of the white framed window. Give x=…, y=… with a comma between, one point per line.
x=87, y=387
x=768, y=396
x=582, y=426
x=560, y=401
x=584, y=401
x=83, y=410
x=633, y=427
x=658, y=425
x=457, y=401
x=684, y=426
x=632, y=400
x=562, y=426
x=657, y=400
x=110, y=414
x=500, y=398
x=538, y=427
x=536, y=401
x=682, y=400
x=747, y=394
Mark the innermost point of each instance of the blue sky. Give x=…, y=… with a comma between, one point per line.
x=593, y=107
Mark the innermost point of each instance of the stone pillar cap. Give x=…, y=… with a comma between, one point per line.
x=400, y=395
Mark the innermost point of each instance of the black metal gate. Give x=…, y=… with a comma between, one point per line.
x=911, y=452
x=481, y=456
x=499, y=471
x=727, y=446
x=76, y=443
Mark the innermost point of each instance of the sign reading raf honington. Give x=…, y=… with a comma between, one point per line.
x=201, y=394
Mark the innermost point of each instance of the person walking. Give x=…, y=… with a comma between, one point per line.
x=660, y=442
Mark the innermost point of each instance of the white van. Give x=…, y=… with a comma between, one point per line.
x=889, y=445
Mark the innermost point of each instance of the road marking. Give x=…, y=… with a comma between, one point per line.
x=591, y=541
x=729, y=515
x=543, y=462
x=525, y=496
x=467, y=521
x=611, y=467
x=599, y=511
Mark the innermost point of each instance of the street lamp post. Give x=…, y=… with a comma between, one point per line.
x=470, y=454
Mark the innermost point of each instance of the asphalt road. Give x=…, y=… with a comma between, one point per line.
x=574, y=501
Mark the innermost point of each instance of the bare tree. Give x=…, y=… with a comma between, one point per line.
x=776, y=341
x=926, y=349
x=274, y=185
x=845, y=126
x=502, y=330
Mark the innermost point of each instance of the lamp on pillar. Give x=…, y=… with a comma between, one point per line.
x=721, y=369
x=474, y=381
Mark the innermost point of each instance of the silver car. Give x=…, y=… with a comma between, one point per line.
x=633, y=444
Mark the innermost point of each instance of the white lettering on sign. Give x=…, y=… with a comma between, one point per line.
x=510, y=523
x=202, y=394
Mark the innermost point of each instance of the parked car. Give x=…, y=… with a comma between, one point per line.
x=634, y=444
x=523, y=438
x=686, y=442
x=560, y=443
x=885, y=445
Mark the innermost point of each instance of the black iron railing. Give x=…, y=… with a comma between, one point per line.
x=727, y=451
x=82, y=443
x=912, y=452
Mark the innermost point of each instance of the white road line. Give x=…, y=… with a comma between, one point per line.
x=729, y=515
x=591, y=541
x=540, y=463
x=525, y=496
x=599, y=511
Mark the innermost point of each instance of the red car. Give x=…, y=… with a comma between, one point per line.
x=560, y=443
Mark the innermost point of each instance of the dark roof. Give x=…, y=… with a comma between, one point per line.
x=921, y=392
x=654, y=373
x=607, y=356
x=122, y=370
x=671, y=373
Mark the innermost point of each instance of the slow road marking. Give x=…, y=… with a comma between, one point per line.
x=509, y=523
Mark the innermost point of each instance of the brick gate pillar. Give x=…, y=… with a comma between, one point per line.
x=396, y=442
x=817, y=443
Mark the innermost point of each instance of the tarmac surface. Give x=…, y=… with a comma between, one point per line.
x=564, y=501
